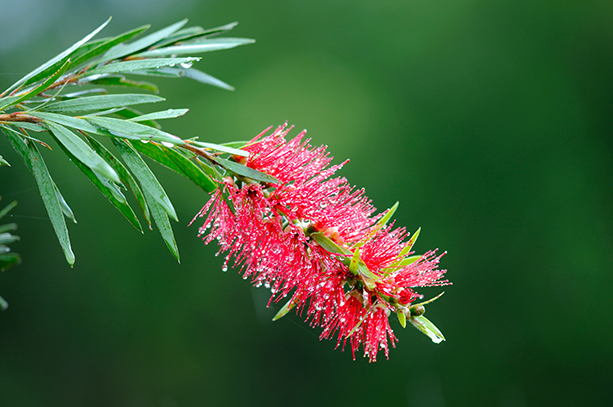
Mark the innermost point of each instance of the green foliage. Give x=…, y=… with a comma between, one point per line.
x=38, y=103
x=7, y=258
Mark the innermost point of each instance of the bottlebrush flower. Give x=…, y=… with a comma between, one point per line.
x=314, y=238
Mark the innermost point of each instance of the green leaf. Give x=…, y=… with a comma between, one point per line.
x=122, y=50
x=197, y=47
x=155, y=152
x=101, y=102
x=381, y=223
x=82, y=151
x=35, y=162
x=131, y=113
x=130, y=130
x=410, y=243
x=221, y=147
x=7, y=238
x=64, y=205
x=110, y=43
x=355, y=260
x=66, y=54
x=226, y=198
x=69, y=121
x=124, y=175
x=285, y=309
x=36, y=90
x=4, y=162
x=120, y=80
x=194, y=32
x=3, y=304
x=191, y=170
x=30, y=126
x=245, y=171
x=164, y=114
x=7, y=209
x=161, y=220
x=402, y=318
x=150, y=185
x=136, y=65
x=424, y=325
x=110, y=190
x=328, y=244
x=207, y=79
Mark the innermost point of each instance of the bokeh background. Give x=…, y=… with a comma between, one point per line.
x=491, y=123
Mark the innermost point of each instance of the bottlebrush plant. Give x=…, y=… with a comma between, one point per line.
x=275, y=204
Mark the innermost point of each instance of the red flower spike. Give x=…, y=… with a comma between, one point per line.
x=269, y=236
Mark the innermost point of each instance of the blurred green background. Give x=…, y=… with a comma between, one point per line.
x=491, y=123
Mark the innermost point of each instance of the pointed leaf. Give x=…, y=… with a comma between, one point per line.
x=124, y=175
x=285, y=309
x=424, y=325
x=197, y=47
x=122, y=50
x=120, y=80
x=150, y=185
x=161, y=220
x=7, y=209
x=130, y=130
x=165, y=114
x=155, y=152
x=191, y=170
x=194, y=32
x=245, y=171
x=56, y=59
x=34, y=160
x=69, y=121
x=221, y=147
x=110, y=190
x=205, y=78
x=410, y=243
x=82, y=151
x=108, y=44
x=402, y=318
x=136, y=65
x=100, y=102
x=38, y=89
x=355, y=261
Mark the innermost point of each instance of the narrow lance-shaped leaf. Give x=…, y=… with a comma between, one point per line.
x=108, y=189
x=100, y=102
x=285, y=309
x=47, y=191
x=161, y=220
x=57, y=58
x=191, y=170
x=164, y=114
x=154, y=151
x=245, y=171
x=82, y=151
x=199, y=76
x=195, y=48
x=133, y=66
x=36, y=90
x=143, y=174
x=221, y=147
x=130, y=130
x=119, y=80
x=424, y=325
x=124, y=175
x=108, y=44
x=122, y=50
x=23, y=153
x=194, y=32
